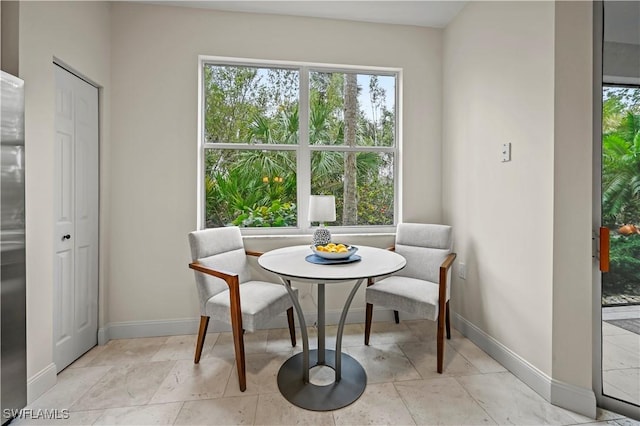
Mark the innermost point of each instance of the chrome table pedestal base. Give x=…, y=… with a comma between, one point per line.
x=321, y=398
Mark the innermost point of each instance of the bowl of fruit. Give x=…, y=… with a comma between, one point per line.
x=334, y=251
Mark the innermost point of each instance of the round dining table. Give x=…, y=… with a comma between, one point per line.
x=298, y=263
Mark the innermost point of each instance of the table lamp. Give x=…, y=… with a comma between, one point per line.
x=322, y=208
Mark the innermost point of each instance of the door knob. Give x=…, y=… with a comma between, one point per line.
x=66, y=237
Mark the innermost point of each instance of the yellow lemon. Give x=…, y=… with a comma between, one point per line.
x=341, y=246
x=333, y=250
x=320, y=248
x=330, y=245
x=342, y=250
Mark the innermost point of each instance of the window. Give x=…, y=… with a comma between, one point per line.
x=274, y=133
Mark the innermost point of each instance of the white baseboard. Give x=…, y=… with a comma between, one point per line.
x=41, y=382
x=153, y=328
x=574, y=398
x=137, y=329
x=103, y=335
x=565, y=395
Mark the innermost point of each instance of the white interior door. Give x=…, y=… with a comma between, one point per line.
x=75, y=310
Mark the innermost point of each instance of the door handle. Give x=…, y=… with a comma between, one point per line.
x=66, y=237
x=604, y=249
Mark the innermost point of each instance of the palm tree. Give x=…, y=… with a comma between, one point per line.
x=350, y=207
x=621, y=172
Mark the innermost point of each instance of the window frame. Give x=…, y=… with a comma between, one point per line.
x=303, y=149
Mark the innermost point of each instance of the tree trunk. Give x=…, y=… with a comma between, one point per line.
x=350, y=208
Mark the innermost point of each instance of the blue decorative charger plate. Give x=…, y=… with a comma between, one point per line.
x=312, y=258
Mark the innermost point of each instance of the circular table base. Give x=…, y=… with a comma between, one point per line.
x=321, y=398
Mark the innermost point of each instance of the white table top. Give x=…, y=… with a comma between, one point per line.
x=290, y=263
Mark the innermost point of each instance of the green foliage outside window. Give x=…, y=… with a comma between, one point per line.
x=257, y=187
x=624, y=275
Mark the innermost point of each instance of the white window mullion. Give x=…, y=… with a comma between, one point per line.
x=397, y=158
x=344, y=148
x=201, y=192
x=304, y=156
x=246, y=146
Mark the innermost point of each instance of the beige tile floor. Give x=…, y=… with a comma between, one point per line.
x=620, y=363
x=154, y=381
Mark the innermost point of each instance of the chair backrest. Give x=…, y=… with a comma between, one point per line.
x=425, y=246
x=221, y=249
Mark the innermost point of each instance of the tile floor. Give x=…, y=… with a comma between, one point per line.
x=154, y=381
x=620, y=363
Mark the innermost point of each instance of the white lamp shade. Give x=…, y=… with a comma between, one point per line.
x=322, y=208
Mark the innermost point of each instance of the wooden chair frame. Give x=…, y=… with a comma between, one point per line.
x=444, y=322
x=233, y=282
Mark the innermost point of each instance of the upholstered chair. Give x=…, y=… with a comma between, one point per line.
x=228, y=293
x=422, y=287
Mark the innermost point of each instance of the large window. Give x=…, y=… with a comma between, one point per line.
x=272, y=134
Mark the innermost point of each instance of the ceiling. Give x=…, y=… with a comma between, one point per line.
x=417, y=12
x=622, y=21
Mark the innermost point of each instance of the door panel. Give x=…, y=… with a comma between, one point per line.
x=83, y=311
x=86, y=215
x=64, y=189
x=76, y=221
x=63, y=290
x=63, y=247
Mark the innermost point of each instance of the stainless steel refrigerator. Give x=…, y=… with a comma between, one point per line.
x=13, y=342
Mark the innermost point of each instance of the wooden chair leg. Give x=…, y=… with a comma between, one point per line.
x=202, y=333
x=238, y=341
x=292, y=326
x=396, y=316
x=448, y=322
x=441, y=327
x=238, y=331
x=367, y=323
x=368, y=316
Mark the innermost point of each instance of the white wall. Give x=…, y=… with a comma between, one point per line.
x=78, y=34
x=154, y=73
x=499, y=88
x=521, y=72
x=573, y=202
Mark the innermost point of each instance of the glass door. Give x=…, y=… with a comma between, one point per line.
x=617, y=206
x=621, y=218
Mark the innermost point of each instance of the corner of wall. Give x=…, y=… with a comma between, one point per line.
x=578, y=399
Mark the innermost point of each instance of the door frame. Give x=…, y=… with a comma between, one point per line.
x=626, y=408
x=57, y=62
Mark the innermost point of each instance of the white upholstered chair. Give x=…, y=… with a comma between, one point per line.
x=228, y=293
x=422, y=287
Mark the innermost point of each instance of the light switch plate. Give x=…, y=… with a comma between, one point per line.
x=506, y=152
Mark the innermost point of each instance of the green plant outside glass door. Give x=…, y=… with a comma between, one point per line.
x=621, y=193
